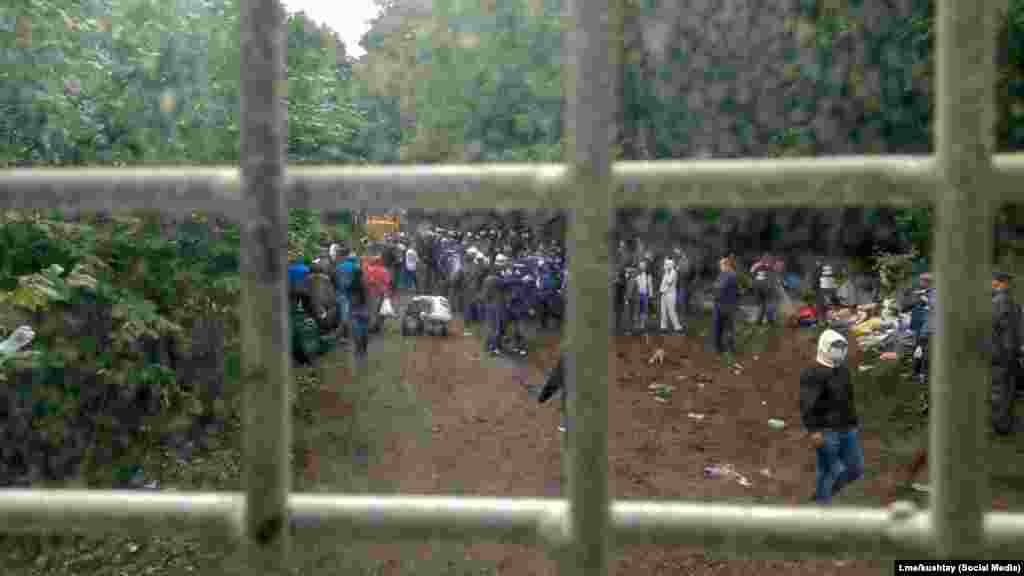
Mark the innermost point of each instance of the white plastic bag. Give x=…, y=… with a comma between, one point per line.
x=386, y=310
x=18, y=340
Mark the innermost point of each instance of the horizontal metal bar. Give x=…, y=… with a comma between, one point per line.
x=423, y=517
x=823, y=182
x=1008, y=183
x=169, y=189
x=122, y=512
x=441, y=187
x=761, y=531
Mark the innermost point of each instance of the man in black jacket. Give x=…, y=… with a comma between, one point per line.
x=828, y=413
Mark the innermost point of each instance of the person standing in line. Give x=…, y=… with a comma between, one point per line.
x=726, y=302
x=411, y=262
x=684, y=278
x=764, y=287
x=492, y=297
x=644, y=288
x=829, y=416
x=668, y=298
x=825, y=290
x=1006, y=341
x=359, y=300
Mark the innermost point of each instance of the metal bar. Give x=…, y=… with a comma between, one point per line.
x=758, y=531
x=171, y=190
x=509, y=520
x=964, y=142
x=122, y=512
x=442, y=187
x=823, y=182
x=819, y=182
x=265, y=333
x=590, y=129
x=1008, y=177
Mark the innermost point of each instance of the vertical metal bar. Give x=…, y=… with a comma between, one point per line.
x=964, y=142
x=590, y=130
x=265, y=316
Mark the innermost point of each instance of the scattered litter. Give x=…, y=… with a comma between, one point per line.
x=658, y=357
x=133, y=547
x=661, y=392
x=700, y=385
x=889, y=356
x=766, y=473
x=764, y=402
x=737, y=366
x=864, y=368
x=695, y=416
x=755, y=358
x=702, y=377
x=776, y=423
x=467, y=333
x=726, y=471
x=682, y=377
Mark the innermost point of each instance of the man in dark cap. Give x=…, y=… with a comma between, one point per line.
x=1006, y=343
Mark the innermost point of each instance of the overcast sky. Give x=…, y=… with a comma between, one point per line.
x=349, y=18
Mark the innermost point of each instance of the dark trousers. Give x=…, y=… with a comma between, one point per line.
x=360, y=329
x=765, y=302
x=496, y=323
x=1004, y=394
x=724, y=320
x=824, y=297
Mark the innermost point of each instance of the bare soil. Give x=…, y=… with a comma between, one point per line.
x=478, y=429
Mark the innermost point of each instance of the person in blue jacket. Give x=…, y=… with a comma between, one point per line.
x=726, y=303
x=343, y=276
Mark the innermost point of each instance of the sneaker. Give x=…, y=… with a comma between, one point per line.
x=494, y=352
x=521, y=351
x=561, y=428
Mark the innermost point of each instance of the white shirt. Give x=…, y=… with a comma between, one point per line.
x=668, y=281
x=643, y=283
x=411, y=258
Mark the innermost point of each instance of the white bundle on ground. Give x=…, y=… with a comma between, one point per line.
x=16, y=341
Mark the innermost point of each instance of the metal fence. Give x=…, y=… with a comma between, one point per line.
x=963, y=180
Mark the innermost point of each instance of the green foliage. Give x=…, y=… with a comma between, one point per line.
x=129, y=81
x=894, y=270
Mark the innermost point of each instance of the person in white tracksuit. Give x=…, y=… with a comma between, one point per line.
x=668, y=297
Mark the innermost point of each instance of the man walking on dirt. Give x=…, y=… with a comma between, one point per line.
x=829, y=415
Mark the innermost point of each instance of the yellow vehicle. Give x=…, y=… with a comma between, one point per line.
x=377, y=226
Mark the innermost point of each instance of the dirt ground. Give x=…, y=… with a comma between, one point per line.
x=470, y=424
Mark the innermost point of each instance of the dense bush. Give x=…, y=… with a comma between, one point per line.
x=136, y=319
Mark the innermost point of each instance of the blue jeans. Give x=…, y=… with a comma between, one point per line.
x=361, y=329
x=410, y=279
x=344, y=310
x=840, y=462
